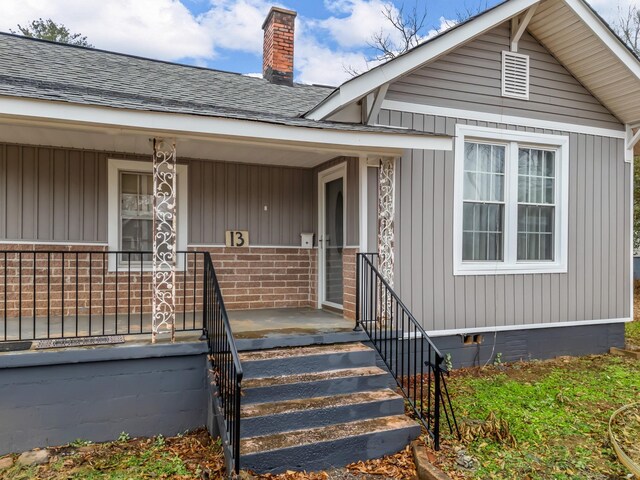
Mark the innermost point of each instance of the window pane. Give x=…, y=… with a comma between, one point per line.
x=470, y=186
x=546, y=247
x=497, y=193
x=548, y=191
x=549, y=164
x=535, y=163
x=470, y=156
x=546, y=219
x=535, y=232
x=136, y=213
x=532, y=246
x=498, y=152
x=129, y=183
x=467, y=246
x=467, y=216
x=482, y=236
x=523, y=161
x=484, y=158
x=494, y=218
x=485, y=186
x=522, y=246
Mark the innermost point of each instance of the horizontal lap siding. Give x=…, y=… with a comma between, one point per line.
x=596, y=285
x=470, y=79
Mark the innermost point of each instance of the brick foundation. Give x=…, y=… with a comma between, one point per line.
x=349, y=272
x=249, y=278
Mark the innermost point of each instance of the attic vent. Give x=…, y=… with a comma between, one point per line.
x=515, y=75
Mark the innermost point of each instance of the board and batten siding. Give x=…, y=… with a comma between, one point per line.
x=53, y=194
x=469, y=78
x=273, y=203
x=596, y=285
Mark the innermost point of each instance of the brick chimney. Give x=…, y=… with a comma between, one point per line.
x=277, y=56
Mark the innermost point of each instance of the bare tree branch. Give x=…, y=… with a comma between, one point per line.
x=628, y=27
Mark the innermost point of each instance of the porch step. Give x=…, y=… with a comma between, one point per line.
x=308, y=385
x=289, y=361
x=288, y=415
x=328, y=446
x=316, y=407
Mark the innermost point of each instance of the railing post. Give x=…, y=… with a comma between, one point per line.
x=236, y=424
x=205, y=289
x=438, y=394
x=358, y=319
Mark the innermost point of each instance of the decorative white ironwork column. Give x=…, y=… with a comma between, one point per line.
x=386, y=213
x=164, y=238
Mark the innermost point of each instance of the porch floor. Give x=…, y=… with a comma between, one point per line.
x=264, y=323
x=248, y=326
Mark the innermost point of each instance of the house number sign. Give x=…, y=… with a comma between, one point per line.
x=237, y=238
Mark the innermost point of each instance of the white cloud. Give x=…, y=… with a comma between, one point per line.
x=364, y=18
x=236, y=24
x=163, y=29
x=167, y=30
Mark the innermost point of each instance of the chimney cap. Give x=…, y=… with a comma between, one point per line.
x=273, y=9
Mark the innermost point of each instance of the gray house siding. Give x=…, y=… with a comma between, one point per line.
x=470, y=79
x=226, y=196
x=596, y=285
x=51, y=194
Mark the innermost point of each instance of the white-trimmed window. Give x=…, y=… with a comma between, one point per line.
x=511, y=202
x=130, y=210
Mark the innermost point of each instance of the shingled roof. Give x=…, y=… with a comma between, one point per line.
x=43, y=70
x=71, y=70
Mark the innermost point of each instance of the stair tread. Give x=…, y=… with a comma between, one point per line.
x=292, y=352
x=329, y=433
x=313, y=403
x=312, y=377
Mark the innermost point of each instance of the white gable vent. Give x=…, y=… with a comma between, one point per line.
x=515, y=75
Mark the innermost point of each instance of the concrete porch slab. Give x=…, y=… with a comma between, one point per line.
x=290, y=327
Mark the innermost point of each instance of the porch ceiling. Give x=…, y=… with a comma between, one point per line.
x=123, y=142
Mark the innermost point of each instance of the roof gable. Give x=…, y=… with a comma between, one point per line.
x=469, y=78
x=569, y=29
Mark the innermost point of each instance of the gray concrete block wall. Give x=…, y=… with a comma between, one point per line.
x=515, y=345
x=78, y=396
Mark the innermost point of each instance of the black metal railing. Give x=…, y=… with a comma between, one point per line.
x=406, y=349
x=47, y=294
x=225, y=362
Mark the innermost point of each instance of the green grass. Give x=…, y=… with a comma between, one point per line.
x=632, y=332
x=557, y=411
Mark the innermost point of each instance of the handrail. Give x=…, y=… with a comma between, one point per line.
x=225, y=363
x=404, y=346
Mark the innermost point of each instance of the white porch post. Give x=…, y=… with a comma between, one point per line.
x=386, y=213
x=164, y=238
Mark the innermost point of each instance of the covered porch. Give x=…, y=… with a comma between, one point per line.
x=105, y=203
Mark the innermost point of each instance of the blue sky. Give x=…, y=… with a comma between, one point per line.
x=331, y=35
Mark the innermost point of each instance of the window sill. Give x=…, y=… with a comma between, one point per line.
x=512, y=269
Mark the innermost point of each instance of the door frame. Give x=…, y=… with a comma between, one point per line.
x=328, y=175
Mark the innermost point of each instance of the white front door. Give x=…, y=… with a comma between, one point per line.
x=332, y=234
